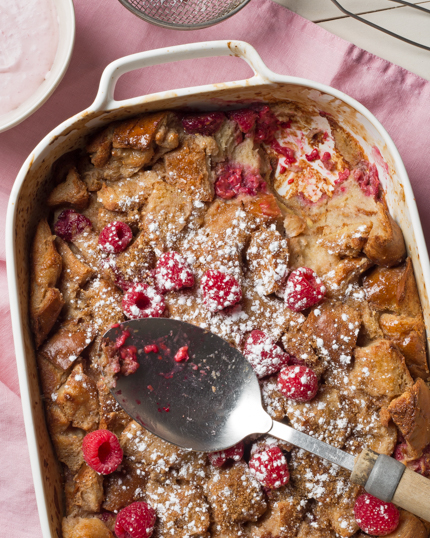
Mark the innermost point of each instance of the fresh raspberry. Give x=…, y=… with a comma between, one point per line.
x=182, y=354
x=207, y=123
x=102, y=451
x=270, y=467
x=264, y=355
x=374, y=516
x=70, y=223
x=235, y=453
x=219, y=290
x=173, y=273
x=152, y=348
x=115, y=237
x=326, y=157
x=298, y=383
x=304, y=289
x=136, y=520
x=313, y=155
x=142, y=301
x=245, y=118
x=287, y=152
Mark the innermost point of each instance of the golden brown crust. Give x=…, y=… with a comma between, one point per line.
x=46, y=300
x=385, y=245
x=85, y=527
x=139, y=133
x=84, y=491
x=411, y=414
x=71, y=193
x=409, y=336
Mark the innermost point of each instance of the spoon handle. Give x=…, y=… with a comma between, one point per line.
x=391, y=481
x=380, y=475
x=310, y=444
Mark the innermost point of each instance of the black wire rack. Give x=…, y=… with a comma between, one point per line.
x=385, y=30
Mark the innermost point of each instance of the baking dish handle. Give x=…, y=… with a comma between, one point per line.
x=105, y=97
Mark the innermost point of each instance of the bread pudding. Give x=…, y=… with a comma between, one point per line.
x=266, y=225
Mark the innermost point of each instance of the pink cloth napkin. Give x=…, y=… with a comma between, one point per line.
x=288, y=44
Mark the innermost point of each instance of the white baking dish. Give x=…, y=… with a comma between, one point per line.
x=26, y=204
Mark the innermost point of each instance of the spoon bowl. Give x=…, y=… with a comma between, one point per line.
x=206, y=403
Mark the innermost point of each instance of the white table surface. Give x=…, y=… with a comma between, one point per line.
x=411, y=23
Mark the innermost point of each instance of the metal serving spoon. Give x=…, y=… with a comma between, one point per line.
x=212, y=401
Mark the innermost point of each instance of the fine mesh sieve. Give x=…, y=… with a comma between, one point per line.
x=184, y=14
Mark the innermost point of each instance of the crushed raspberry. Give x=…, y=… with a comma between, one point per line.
x=173, y=273
x=182, y=354
x=102, y=451
x=367, y=178
x=128, y=360
x=313, y=155
x=326, y=157
x=136, y=520
x=207, y=123
x=115, y=237
x=245, y=118
x=70, y=223
x=374, y=516
x=304, y=289
x=151, y=349
x=343, y=176
x=233, y=180
x=420, y=465
x=270, y=467
x=298, y=383
x=142, y=301
x=287, y=152
x=235, y=453
x=267, y=123
x=264, y=355
x=220, y=290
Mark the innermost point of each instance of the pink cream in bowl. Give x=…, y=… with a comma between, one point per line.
x=28, y=44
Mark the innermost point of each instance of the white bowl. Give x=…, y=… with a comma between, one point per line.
x=66, y=39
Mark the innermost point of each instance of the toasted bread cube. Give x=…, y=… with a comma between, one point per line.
x=345, y=274
x=385, y=245
x=283, y=516
x=334, y=328
x=78, y=399
x=409, y=336
x=46, y=300
x=129, y=193
x=71, y=193
x=380, y=370
x=347, y=240
x=65, y=346
x=112, y=415
x=158, y=456
x=125, y=486
x=137, y=260
x=188, y=168
x=393, y=290
x=245, y=500
x=188, y=513
x=409, y=527
x=105, y=301
x=273, y=401
x=165, y=216
x=330, y=416
x=411, y=414
x=85, y=527
x=267, y=257
x=84, y=491
x=142, y=132
x=68, y=447
x=51, y=376
x=100, y=145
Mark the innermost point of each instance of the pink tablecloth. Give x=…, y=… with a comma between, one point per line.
x=289, y=45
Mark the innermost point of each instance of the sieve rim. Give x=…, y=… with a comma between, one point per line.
x=175, y=26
